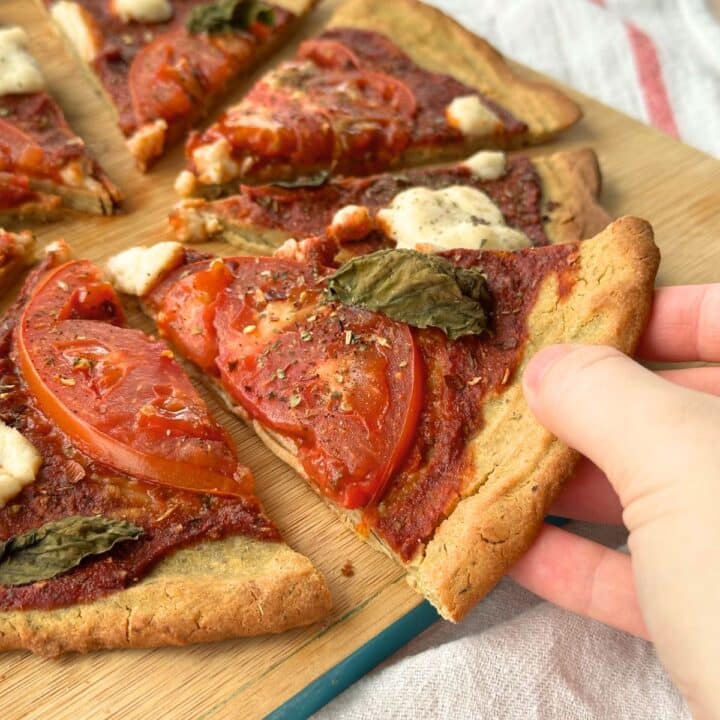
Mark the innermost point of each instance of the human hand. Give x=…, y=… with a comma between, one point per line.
x=651, y=443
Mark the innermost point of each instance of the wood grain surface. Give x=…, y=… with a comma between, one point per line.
x=646, y=174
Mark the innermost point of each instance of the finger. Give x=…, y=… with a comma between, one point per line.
x=635, y=426
x=583, y=577
x=702, y=379
x=684, y=325
x=588, y=496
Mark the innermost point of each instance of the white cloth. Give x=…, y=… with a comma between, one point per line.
x=515, y=656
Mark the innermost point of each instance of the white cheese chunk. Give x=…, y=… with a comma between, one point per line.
x=185, y=184
x=453, y=217
x=19, y=73
x=19, y=463
x=148, y=142
x=351, y=222
x=471, y=117
x=486, y=164
x=135, y=271
x=214, y=163
x=147, y=11
x=74, y=21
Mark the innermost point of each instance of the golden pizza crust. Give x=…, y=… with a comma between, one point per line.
x=570, y=182
x=517, y=466
x=232, y=588
x=438, y=43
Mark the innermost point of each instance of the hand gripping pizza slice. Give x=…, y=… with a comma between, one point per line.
x=163, y=64
x=393, y=383
x=126, y=519
x=388, y=84
x=44, y=165
x=502, y=202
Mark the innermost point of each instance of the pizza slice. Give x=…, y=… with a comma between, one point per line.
x=162, y=64
x=17, y=250
x=44, y=165
x=392, y=384
x=388, y=84
x=126, y=519
x=502, y=201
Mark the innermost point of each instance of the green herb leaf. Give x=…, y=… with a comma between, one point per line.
x=223, y=16
x=59, y=546
x=316, y=180
x=418, y=289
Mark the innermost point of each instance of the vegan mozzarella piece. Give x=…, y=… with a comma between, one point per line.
x=136, y=270
x=487, y=164
x=19, y=463
x=148, y=11
x=471, y=117
x=214, y=162
x=453, y=217
x=19, y=73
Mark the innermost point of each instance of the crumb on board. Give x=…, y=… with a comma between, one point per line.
x=347, y=569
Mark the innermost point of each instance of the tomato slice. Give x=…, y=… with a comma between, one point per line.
x=344, y=383
x=329, y=54
x=117, y=393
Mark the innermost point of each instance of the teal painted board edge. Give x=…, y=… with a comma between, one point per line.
x=322, y=690
x=328, y=686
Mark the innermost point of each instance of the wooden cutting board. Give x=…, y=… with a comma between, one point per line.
x=646, y=174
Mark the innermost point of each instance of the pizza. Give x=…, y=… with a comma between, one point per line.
x=17, y=250
x=126, y=519
x=392, y=383
x=44, y=165
x=162, y=64
x=387, y=84
x=498, y=201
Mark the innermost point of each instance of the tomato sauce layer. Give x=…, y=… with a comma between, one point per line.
x=35, y=139
x=352, y=102
x=160, y=70
x=70, y=482
x=460, y=375
x=307, y=211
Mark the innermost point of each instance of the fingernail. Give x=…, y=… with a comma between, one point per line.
x=541, y=363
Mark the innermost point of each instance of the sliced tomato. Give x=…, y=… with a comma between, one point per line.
x=117, y=393
x=187, y=313
x=18, y=150
x=329, y=54
x=172, y=74
x=346, y=384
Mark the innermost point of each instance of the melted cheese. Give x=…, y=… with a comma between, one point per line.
x=185, y=184
x=147, y=11
x=148, y=142
x=191, y=224
x=214, y=163
x=19, y=463
x=75, y=23
x=351, y=222
x=454, y=217
x=487, y=164
x=135, y=271
x=19, y=73
x=471, y=117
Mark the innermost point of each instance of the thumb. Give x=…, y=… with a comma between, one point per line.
x=635, y=426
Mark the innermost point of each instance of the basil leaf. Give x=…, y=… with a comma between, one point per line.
x=59, y=546
x=418, y=289
x=316, y=180
x=223, y=16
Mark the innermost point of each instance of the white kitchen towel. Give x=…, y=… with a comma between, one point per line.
x=515, y=656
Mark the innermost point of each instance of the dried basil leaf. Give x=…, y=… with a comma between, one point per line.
x=59, y=546
x=223, y=16
x=316, y=180
x=418, y=289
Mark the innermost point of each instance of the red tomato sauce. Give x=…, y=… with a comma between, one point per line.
x=70, y=482
x=460, y=375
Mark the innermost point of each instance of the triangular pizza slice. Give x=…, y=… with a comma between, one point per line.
x=163, y=64
x=415, y=428
x=126, y=519
x=387, y=84
x=44, y=165
x=506, y=201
